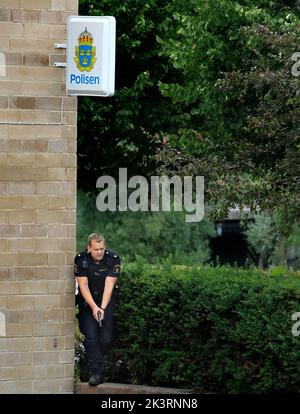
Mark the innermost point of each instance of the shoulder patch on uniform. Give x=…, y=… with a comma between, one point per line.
x=111, y=253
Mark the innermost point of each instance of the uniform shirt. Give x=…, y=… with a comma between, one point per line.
x=84, y=265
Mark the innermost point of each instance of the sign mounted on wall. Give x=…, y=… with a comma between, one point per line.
x=91, y=55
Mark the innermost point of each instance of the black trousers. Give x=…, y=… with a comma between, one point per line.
x=98, y=340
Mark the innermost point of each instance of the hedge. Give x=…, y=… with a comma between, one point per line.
x=222, y=329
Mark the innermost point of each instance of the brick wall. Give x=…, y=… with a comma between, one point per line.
x=37, y=199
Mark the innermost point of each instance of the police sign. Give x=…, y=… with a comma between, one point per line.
x=91, y=55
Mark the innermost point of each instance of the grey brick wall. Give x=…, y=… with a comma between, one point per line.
x=37, y=199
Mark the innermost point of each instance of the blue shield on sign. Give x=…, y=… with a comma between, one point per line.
x=85, y=55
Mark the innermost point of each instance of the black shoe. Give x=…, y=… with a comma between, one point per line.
x=84, y=370
x=95, y=379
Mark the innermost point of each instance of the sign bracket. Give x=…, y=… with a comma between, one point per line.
x=60, y=64
x=60, y=46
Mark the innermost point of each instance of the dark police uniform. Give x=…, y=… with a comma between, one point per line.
x=97, y=340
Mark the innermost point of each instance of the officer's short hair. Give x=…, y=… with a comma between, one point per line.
x=97, y=237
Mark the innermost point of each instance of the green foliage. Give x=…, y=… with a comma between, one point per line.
x=292, y=245
x=207, y=86
x=154, y=236
x=277, y=271
x=118, y=131
x=214, y=329
x=264, y=236
x=238, y=102
x=261, y=235
x=79, y=353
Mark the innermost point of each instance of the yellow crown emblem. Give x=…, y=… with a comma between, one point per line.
x=85, y=52
x=85, y=38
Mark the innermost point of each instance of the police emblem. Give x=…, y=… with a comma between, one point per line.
x=117, y=269
x=85, y=52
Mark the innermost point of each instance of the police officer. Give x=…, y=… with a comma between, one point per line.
x=96, y=270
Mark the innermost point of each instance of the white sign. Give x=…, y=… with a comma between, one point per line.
x=91, y=50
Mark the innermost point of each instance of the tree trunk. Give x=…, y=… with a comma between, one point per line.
x=282, y=251
x=261, y=260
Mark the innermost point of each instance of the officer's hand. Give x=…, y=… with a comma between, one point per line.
x=95, y=313
x=102, y=314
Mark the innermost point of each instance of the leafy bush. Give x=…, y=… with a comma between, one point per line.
x=213, y=329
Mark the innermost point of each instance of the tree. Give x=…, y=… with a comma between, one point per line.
x=261, y=236
x=208, y=85
x=118, y=131
x=153, y=236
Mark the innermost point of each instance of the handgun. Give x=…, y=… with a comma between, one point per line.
x=99, y=318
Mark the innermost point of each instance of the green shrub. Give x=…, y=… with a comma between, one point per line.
x=212, y=329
